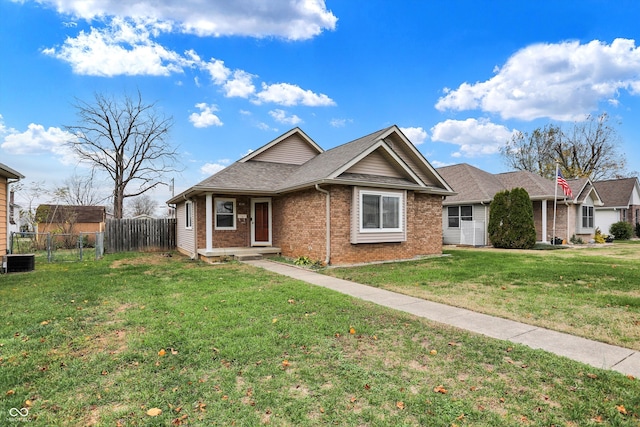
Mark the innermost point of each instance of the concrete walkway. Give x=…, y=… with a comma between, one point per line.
x=593, y=353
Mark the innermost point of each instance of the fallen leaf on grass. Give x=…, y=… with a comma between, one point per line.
x=10, y=392
x=400, y=405
x=162, y=352
x=433, y=352
x=352, y=330
x=631, y=377
x=592, y=376
x=285, y=364
x=621, y=409
x=440, y=389
x=154, y=412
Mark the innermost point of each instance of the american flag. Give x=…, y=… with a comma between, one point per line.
x=565, y=186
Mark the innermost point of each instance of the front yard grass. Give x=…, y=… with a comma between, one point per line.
x=590, y=292
x=137, y=339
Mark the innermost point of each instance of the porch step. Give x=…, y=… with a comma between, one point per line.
x=248, y=257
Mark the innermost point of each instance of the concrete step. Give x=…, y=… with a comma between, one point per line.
x=248, y=257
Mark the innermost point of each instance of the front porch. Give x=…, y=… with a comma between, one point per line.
x=237, y=253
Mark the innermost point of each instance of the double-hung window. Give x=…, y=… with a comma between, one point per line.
x=381, y=212
x=459, y=213
x=587, y=217
x=225, y=214
x=188, y=215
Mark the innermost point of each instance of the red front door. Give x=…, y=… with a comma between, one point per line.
x=261, y=222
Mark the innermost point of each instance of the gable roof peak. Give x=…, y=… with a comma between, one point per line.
x=304, y=138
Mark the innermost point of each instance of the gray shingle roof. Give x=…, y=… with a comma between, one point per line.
x=616, y=192
x=474, y=185
x=259, y=177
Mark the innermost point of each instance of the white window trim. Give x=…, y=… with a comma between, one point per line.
x=188, y=215
x=401, y=198
x=215, y=213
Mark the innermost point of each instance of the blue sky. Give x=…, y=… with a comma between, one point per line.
x=459, y=77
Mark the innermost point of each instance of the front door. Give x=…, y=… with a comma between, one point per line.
x=261, y=222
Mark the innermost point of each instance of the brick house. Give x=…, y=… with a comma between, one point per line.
x=373, y=199
x=466, y=215
x=7, y=176
x=621, y=199
x=70, y=219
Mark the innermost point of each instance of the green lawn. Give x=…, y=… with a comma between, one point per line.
x=104, y=342
x=591, y=292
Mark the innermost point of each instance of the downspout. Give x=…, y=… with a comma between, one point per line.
x=328, y=222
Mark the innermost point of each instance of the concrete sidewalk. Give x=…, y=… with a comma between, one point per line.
x=593, y=353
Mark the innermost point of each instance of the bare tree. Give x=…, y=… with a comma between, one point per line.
x=142, y=205
x=126, y=138
x=28, y=193
x=80, y=191
x=533, y=152
x=588, y=149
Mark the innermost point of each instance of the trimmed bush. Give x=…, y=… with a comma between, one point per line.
x=621, y=230
x=511, y=223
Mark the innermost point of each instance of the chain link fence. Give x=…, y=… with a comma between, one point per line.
x=58, y=247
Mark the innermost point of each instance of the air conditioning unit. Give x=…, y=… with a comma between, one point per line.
x=17, y=263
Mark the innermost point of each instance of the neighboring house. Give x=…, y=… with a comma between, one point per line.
x=373, y=199
x=621, y=199
x=70, y=219
x=7, y=176
x=466, y=215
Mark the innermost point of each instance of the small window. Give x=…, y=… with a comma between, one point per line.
x=459, y=213
x=188, y=215
x=587, y=217
x=225, y=214
x=380, y=212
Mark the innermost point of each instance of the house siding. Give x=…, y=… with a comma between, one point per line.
x=3, y=215
x=293, y=150
x=184, y=236
x=375, y=164
x=453, y=235
x=404, y=153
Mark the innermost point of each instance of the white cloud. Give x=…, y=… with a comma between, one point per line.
x=122, y=48
x=340, y=123
x=563, y=81
x=474, y=137
x=240, y=86
x=416, y=135
x=288, y=95
x=217, y=70
x=213, y=168
x=288, y=19
x=37, y=140
x=280, y=116
x=205, y=118
x=439, y=164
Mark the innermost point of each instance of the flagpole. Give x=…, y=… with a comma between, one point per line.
x=555, y=203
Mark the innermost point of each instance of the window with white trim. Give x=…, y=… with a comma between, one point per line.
x=456, y=214
x=225, y=211
x=381, y=212
x=587, y=217
x=188, y=215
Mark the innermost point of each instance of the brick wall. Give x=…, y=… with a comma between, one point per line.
x=240, y=237
x=299, y=228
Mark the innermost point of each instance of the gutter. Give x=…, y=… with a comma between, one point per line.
x=328, y=222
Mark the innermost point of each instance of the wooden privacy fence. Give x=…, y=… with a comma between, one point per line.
x=122, y=235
